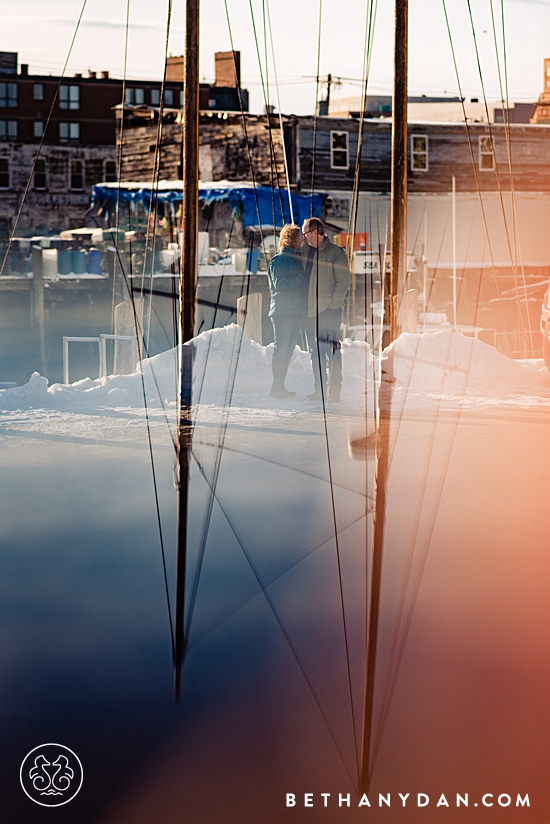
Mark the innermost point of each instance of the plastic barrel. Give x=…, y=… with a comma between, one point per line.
x=64, y=261
x=79, y=261
x=252, y=259
x=94, y=262
x=49, y=263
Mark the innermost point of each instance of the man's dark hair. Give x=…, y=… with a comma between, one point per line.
x=314, y=223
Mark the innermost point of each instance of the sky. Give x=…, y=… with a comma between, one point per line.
x=42, y=31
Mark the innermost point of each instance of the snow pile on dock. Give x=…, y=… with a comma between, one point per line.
x=229, y=369
x=448, y=363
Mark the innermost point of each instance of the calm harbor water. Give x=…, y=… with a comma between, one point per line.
x=462, y=672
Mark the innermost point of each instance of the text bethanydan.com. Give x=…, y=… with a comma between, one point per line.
x=405, y=800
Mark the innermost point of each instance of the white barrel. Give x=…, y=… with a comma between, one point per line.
x=49, y=263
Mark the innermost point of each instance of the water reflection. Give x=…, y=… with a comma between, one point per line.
x=462, y=677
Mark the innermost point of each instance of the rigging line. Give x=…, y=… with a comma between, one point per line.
x=497, y=173
x=316, y=113
x=508, y=135
x=367, y=54
x=424, y=555
x=401, y=416
x=223, y=430
x=152, y=460
x=322, y=384
x=245, y=130
x=280, y=623
x=268, y=116
x=507, y=121
x=140, y=342
x=283, y=143
x=272, y=157
x=513, y=260
x=120, y=156
x=231, y=379
x=208, y=350
x=152, y=224
x=397, y=645
x=273, y=462
x=42, y=139
x=472, y=155
x=251, y=592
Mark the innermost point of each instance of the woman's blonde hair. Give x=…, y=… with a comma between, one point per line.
x=288, y=235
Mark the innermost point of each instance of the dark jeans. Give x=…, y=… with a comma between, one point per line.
x=286, y=329
x=323, y=340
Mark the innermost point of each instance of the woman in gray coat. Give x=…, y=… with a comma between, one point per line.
x=288, y=305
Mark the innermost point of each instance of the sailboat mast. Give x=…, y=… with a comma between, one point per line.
x=188, y=290
x=397, y=281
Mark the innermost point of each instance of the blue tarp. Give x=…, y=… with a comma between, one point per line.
x=246, y=200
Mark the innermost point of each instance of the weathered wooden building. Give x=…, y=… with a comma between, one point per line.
x=492, y=233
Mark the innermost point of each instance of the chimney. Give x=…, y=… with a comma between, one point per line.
x=24, y=69
x=76, y=74
x=174, y=69
x=92, y=75
x=104, y=75
x=228, y=69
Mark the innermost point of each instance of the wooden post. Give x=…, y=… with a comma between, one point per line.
x=406, y=312
x=249, y=315
x=399, y=161
x=188, y=290
x=38, y=302
x=383, y=438
x=127, y=353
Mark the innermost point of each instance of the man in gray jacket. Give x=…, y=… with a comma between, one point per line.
x=327, y=280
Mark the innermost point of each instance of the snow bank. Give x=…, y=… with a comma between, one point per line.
x=449, y=363
x=229, y=369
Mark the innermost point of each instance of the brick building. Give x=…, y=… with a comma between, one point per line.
x=75, y=120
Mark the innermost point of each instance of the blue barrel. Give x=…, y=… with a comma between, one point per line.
x=64, y=261
x=95, y=257
x=79, y=261
x=252, y=259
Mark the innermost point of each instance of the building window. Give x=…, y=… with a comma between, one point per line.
x=8, y=129
x=169, y=97
x=134, y=97
x=40, y=174
x=110, y=171
x=181, y=99
x=4, y=173
x=211, y=102
x=155, y=97
x=38, y=128
x=486, y=156
x=8, y=95
x=77, y=174
x=419, y=152
x=69, y=132
x=339, y=153
x=69, y=97
x=544, y=112
x=38, y=91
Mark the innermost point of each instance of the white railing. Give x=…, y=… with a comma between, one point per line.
x=66, y=341
x=102, y=346
x=103, y=350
